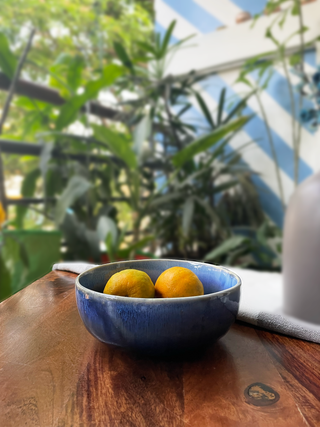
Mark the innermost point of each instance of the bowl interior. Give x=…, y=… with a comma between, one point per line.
x=213, y=278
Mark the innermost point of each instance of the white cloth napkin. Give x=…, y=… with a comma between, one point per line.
x=261, y=305
x=260, y=302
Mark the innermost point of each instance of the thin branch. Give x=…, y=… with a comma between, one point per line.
x=302, y=48
x=22, y=60
x=6, y=108
x=273, y=151
x=293, y=119
x=298, y=3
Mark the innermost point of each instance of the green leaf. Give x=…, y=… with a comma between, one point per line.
x=209, y=210
x=207, y=141
x=15, y=257
x=74, y=73
x=162, y=200
x=8, y=61
x=264, y=67
x=66, y=73
x=295, y=59
x=219, y=150
x=166, y=39
x=221, y=105
x=122, y=236
x=29, y=183
x=63, y=59
x=187, y=182
x=23, y=253
x=109, y=74
x=272, y=6
x=184, y=109
x=270, y=36
x=123, y=55
x=225, y=186
x=5, y=283
x=77, y=186
x=110, y=247
x=295, y=9
x=54, y=182
x=27, y=190
x=225, y=247
x=262, y=234
x=291, y=36
x=118, y=144
x=69, y=110
x=244, y=80
x=283, y=19
x=175, y=46
x=147, y=47
x=125, y=253
x=205, y=110
x=253, y=63
x=187, y=215
x=238, y=107
x=157, y=44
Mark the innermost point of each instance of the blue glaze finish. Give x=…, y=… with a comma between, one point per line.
x=159, y=324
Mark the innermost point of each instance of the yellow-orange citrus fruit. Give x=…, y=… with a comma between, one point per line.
x=178, y=282
x=130, y=283
x=2, y=215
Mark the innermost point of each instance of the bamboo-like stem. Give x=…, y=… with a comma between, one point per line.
x=293, y=121
x=273, y=150
x=302, y=46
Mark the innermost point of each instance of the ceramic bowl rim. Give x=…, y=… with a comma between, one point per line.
x=131, y=300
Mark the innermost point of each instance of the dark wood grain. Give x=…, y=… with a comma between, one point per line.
x=214, y=388
x=298, y=363
x=54, y=373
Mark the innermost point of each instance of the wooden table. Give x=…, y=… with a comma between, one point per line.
x=54, y=373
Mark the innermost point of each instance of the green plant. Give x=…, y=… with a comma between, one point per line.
x=80, y=27
x=186, y=215
x=134, y=146
x=13, y=253
x=251, y=248
x=263, y=65
x=72, y=38
x=152, y=140
x=265, y=72
x=5, y=287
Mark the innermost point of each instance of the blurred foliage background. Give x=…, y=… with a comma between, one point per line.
x=145, y=177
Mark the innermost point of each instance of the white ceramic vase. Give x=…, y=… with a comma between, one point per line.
x=301, y=252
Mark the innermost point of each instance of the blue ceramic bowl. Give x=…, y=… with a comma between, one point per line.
x=159, y=325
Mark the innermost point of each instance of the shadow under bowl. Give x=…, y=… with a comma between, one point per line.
x=159, y=325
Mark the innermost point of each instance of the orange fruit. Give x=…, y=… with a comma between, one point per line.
x=2, y=215
x=130, y=283
x=178, y=282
